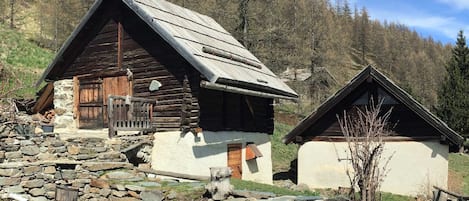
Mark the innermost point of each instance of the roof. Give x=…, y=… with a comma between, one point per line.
x=392, y=88
x=207, y=46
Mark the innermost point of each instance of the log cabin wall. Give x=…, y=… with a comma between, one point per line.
x=224, y=111
x=149, y=58
x=403, y=121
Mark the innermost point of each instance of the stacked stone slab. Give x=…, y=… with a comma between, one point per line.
x=32, y=165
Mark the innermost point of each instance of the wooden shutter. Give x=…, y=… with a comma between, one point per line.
x=90, y=104
x=234, y=159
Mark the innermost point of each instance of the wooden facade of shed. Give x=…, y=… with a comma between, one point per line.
x=408, y=120
x=121, y=55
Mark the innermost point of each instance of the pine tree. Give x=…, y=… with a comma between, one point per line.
x=453, y=104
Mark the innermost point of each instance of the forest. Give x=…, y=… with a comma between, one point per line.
x=294, y=34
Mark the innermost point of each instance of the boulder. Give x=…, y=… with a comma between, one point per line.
x=37, y=192
x=152, y=195
x=97, y=166
x=10, y=172
x=35, y=183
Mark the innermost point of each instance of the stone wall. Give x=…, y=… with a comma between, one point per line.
x=34, y=165
x=63, y=104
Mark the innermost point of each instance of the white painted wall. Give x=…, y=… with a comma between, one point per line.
x=195, y=154
x=415, y=167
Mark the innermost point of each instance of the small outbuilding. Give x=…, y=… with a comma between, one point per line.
x=419, y=145
x=155, y=67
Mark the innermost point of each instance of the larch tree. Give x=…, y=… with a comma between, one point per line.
x=453, y=104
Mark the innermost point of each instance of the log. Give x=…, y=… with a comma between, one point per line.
x=174, y=174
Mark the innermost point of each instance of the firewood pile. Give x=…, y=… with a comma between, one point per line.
x=45, y=119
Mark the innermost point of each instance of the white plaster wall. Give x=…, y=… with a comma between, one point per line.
x=190, y=154
x=415, y=167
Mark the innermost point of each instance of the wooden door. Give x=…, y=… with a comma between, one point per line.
x=118, y=86
x=90, y=104
x=235, y=159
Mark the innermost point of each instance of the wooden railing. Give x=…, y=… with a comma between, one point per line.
x=127, y=113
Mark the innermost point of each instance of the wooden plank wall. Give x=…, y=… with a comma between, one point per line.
x=235, y=112
x=151, y=58
x=404, y=122
x=100, y=55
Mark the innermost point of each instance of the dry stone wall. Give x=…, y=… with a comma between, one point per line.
x=36, y=165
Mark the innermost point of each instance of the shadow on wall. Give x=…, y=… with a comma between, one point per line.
x=213, y=143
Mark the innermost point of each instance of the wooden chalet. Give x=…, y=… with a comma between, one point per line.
x=152, y=65
x=420, y=141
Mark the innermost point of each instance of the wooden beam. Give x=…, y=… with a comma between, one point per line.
x=120, y=41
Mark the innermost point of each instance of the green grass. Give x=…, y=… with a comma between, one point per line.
x=22, y=62
x=18, y=51
x=459, y=164
x=395, y=197
x=282, y=154
x=253, y=186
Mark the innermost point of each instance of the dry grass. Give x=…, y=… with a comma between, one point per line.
x=455, y=181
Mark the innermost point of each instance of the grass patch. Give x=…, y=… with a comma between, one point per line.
x=458, y=173
x=282, y=154
x=18, y=51
x=253, y=186
x=395, y=197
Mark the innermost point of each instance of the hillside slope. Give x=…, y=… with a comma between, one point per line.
x=21, y=64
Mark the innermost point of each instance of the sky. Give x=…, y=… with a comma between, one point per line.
x=440, y=19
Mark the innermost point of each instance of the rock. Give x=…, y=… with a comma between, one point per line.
x=121, y=175
x=308, y=198
x=171, y=195
x=46, y=156
x=105, y=192
x=42, y=198
x=100, y=149
x=2, y=154
x=10, y=172
x=36, y=183
x=119, y=187
x=73, y=149
x=37, y=192
x=9, y=181
x=49, y=187
x=26, y=142
x=30, y=150
x=50, y=194
x=30, y=170
x=38, y=130
x=99, y=183
x=14, y=189
x=49, y=170
x=65, y=174
x=135, y=188
x=134, y=194
x=13, y=155
x=253, y=194
x=84, y=156
x=57, y=143
x=96, y=166
x=119, y=193
x=110, y=155
x=152, y=195
x=61, y=149
x=112, y=198
x=283, y=198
